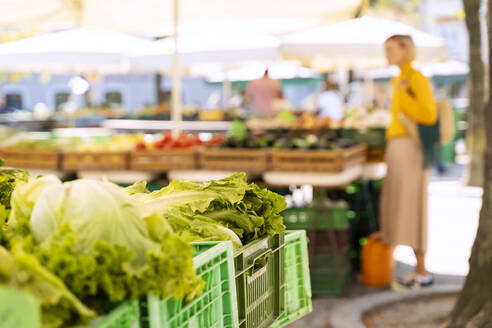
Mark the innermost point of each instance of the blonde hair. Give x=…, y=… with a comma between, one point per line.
x=405, y=41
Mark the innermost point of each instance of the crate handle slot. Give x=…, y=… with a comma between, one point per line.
x=261, y=260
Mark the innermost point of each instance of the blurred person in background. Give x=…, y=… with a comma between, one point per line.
x=260, y=95
x=404, y=194
x=330, y=102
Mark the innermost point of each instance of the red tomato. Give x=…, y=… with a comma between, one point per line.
x=159, y=144
x=141, y=146
x=196, y=140
x=167, y=136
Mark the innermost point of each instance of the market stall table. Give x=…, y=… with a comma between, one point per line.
x=320, y=180
x=158, y=125
x=374, y=171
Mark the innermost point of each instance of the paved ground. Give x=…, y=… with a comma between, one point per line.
x=453, y=220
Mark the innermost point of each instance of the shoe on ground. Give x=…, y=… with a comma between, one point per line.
x=413, y=281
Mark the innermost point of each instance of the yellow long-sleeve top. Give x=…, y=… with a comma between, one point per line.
x=416, y=101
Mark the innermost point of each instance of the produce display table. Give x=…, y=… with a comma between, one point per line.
x=316, y=179
x=158, y=125
x=374, y=171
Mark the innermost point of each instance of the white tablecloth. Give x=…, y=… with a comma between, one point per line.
x=374, y=171
x=316, y=179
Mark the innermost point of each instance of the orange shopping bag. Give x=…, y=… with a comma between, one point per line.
x=377, y=263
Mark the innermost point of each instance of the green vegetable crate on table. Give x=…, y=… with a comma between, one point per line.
x=87, y=247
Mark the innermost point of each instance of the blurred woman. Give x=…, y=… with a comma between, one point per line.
x=404, y=193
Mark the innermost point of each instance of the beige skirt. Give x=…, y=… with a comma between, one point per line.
x=404, y=195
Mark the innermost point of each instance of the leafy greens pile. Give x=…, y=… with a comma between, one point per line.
x=79, y=248
x=86, y=244
x=226, y=209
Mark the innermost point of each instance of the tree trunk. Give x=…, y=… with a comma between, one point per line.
x=476, y=127
x=474, y=305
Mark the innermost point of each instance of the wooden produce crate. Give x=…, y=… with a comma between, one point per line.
x=232, y=159
x=32, y=159
x=375, y=155
x=163, y=160
x=75, y=161
x=317, y=160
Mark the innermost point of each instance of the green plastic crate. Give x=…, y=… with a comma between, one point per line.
x=373, y=137
x=260, y=281
x=324, y=277
x=216, y=307
x=297, y=218
x=297, y=281
x=126, y=315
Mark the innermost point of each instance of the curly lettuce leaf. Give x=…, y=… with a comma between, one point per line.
x=8, y=179
x=21, y=270
x=246, y=209
x=138, y=187
x=106, y=271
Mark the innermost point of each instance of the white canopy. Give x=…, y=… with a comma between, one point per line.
x=224, y=43
x=356, y=43
x=253, y=71
x=155, y=17
x=71, y=51
x=447, y=68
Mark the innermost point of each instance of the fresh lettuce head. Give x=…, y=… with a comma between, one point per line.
x=104, y=245
x=25, y=196
x=9, y=178
x=23, y=271
x=201, y=210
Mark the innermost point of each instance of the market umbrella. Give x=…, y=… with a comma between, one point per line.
x=78, y=51
x=252, y=71
x=156, y=17
x=356, y=43
x=446, y=68
x=209, y=44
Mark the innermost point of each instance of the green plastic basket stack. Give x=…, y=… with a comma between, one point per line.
x=325, y=280
x=373, y=137
x=297, y=218
x=330, y=266
x=297, y=281
x=260, y=283
x=216, y=307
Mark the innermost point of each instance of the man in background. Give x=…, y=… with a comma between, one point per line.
x=330, y=102
x=260, y=95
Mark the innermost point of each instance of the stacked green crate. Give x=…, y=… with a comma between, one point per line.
x=373, y=137
x=296, y=218
x=297, y=281
x=244, y=288
x=328, y=233
x=260, y=282
x=215, y=307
